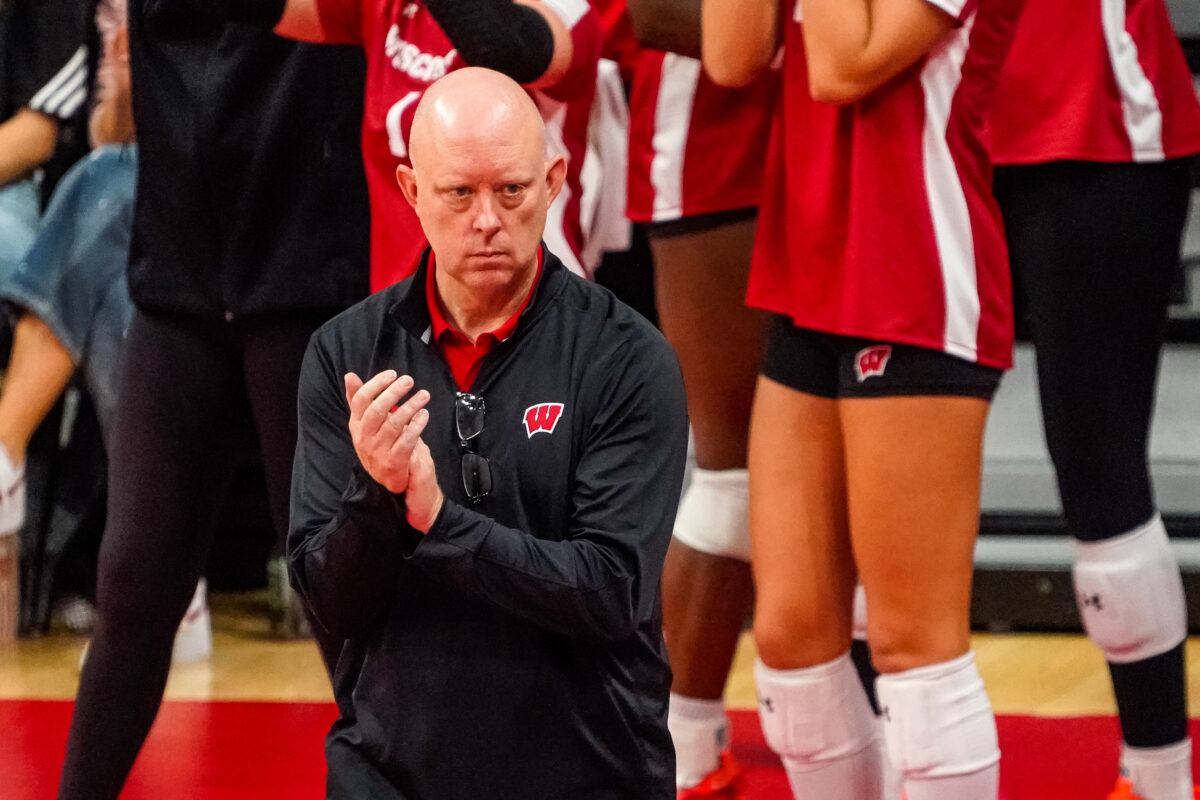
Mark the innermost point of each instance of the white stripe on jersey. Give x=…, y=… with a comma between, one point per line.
x=940, y=79
x=554, y=235
x=570, y=11
x=1139, y=103
x=672, y=119
x=954, y=8
x=73, y=73
x=554, y=115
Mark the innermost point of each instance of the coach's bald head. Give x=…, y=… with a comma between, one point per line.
x=480, y=180
x=472, y=104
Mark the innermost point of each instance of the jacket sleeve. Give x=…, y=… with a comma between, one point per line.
x=602, y=582
x=50, y=68
x=348, y=539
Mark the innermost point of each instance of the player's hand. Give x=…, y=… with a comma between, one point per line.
x=384, y=431
x=424, y=497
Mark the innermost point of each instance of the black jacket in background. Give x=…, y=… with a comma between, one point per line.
x=514, y=652
x=251, y=193
x=47, y=54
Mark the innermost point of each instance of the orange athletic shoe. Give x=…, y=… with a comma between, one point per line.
x=1124, y=791
x=723, y=783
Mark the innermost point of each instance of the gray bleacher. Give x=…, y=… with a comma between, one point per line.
x=1186, y=16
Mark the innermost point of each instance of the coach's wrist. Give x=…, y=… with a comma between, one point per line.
x=423, y=516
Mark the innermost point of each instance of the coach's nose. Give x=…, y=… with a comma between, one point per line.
x=487, y=221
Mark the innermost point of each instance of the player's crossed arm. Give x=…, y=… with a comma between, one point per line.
x=525, y=39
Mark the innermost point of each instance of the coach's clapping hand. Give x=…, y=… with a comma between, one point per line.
x=386, y=434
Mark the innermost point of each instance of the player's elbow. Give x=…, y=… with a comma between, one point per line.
x=838, y=87
x=835, y=93
x=846, y=79
x=731, y=65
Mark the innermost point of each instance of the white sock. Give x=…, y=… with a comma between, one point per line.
x=893, y=781
x=819, y=722
x=12, y=494
x=700, y=731
x=983, y=785
x=855, y=777
x=1159, y=773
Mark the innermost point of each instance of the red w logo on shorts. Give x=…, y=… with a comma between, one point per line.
x=542, y=418
x=871, y=361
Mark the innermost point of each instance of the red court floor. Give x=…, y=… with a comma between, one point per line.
x=261, y=750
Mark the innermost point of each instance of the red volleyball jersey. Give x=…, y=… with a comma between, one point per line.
x=616, y=28
x=694, y=147
x=406, y=52
x=877, y=217
x=1095, y=80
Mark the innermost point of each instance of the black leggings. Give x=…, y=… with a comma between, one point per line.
x=189, y=393
x=1095, y=248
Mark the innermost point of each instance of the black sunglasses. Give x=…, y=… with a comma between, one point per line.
x=469, y=417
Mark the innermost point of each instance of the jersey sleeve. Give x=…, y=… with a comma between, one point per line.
x=346, y=21
x=51, y=74
x=959, y=9
x=586, y=42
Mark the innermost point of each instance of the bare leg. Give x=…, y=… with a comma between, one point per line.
x=37, y=374
x=913, y=475
x=803, y=566
x=700, y=283
x=812, y=708
x=700, y=280
x=913, y=469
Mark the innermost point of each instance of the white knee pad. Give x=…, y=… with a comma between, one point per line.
x=714, y=514
x=860, y=613
x=938, y=722
x=1130, y=593
x=814, y=715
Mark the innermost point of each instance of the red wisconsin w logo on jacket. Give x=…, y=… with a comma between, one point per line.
x=542, y=418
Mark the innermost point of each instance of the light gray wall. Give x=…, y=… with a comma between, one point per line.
x=1186, y=16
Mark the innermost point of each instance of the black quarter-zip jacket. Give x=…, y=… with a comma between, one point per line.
x=515, y=651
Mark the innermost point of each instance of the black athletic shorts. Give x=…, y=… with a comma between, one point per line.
x=833, y=366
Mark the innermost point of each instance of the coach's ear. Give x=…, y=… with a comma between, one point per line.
x=556, y=175
x=408, y=183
